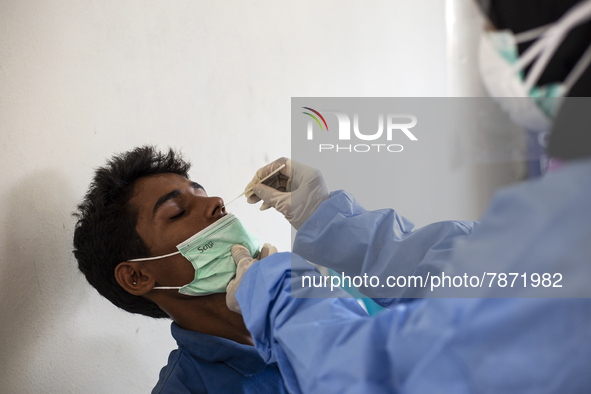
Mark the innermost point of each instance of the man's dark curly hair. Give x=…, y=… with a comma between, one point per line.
x=105, y=233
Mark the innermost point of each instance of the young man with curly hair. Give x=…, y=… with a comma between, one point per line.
x=142, y=204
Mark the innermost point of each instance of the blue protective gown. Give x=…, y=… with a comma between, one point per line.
x=470, y=345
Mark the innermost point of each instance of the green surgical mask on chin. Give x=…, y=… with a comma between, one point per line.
x=210, y=253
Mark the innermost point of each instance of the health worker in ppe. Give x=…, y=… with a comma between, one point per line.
x=444, y=345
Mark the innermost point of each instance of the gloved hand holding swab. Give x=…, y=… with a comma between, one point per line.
x=250, y=189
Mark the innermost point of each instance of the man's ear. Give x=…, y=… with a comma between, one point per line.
x=133, y=278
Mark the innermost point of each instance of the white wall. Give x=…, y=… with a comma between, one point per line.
x=80, y=80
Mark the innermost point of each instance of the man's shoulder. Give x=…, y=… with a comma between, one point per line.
x=180, y=375
x=208, y=364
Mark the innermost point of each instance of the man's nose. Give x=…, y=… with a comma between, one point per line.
x=214, y=208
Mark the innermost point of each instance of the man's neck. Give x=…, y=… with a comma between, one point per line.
x=207, y=315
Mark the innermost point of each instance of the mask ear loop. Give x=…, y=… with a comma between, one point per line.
x=530, y=35
x=551, y=40
x=578, y=70
x=530, y=54
x=157, y=258
x=167, y=288
x=534, y=51
x=542, y=61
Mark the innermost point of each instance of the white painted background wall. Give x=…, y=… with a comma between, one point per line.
x=80, y=80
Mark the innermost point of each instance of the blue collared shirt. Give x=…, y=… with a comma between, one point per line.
x=208, y=364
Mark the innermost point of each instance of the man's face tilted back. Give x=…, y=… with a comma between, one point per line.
x=171, y=209
x=140, y=206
